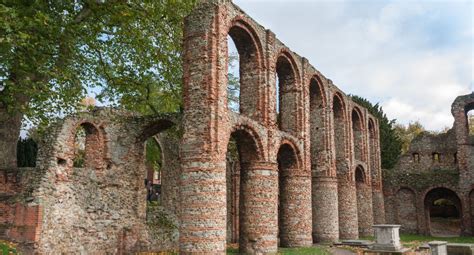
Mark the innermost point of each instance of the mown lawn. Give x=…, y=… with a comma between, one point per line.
x=317, y=250
x=7, y=248
x=420, y=238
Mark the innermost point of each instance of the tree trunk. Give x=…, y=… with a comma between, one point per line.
x=10, y=125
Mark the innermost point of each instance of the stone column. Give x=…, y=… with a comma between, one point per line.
x=325, y=212
x=295, y=230
x=206, y=126
x=347, y=203
x=259, y=208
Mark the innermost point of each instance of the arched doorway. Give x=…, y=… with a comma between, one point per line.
x=443, y=212
x=251, y=196
x=294, y=203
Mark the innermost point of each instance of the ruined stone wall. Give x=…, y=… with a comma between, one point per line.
x=296, y=167
x=433, y=162
x=100, y=207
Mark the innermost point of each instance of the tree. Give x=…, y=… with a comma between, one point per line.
x=129, y=52
x=390, y=144
x=233, y=82
x=406, y=134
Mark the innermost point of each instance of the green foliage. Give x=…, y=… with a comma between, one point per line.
x=408, y=133
x=390, y=144
x=80, y=147
x=315, y=250
x=27, y=150
x=129, y=52
x=233, y=79
x=7, y=248
x=153, y=154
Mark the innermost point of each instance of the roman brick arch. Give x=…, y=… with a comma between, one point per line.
x=318, y=126
x=294, y=197
x=406, y=210
x=250, y=67
x=358, y=134
x=86, y=147
x=346, y=188
x=257, y=185
x=364, y=201
x=287, y=93
x=373, y=165
x=340, y=135
x=443, y=211
x=94, y=147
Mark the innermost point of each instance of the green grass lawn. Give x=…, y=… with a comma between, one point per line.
x=420, y=238
x=6, y=248
x=318, y=250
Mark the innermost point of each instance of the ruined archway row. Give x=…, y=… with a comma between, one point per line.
x=282, y=94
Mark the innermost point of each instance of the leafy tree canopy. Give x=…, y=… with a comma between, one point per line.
x=128, y=52
x=408, y=133
x=390, y=143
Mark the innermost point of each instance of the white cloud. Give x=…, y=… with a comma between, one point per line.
x=414, y=57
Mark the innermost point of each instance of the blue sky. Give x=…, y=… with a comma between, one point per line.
x=413, y=57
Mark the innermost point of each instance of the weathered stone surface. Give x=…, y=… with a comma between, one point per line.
x=435, y=166
x=294, y=181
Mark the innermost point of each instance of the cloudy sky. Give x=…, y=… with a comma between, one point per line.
x=413, y=57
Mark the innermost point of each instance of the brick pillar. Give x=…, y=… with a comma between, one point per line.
x=295, y=209
x=206, y=126
x=348, y=223
x=259, y=208
x=364, y=209
x=325, y=213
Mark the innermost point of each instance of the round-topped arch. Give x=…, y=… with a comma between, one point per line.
x=358, y=134
x=287, y=92
x=294, y=203
x=244, y=85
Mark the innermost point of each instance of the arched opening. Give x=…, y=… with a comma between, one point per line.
x=286, y=97
x=470, y=122
x=340, y=134
x=416, y=157
x=364, y=202
x=436, y=157
x=357, y=134
x=159, y=166
x=317, y=125
x=443, y=211
x=243, y=70
x=287, y=163
x=242, y=177
x=406, y=210
x=89, y=148
x=154, y=168
x=373, y=150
